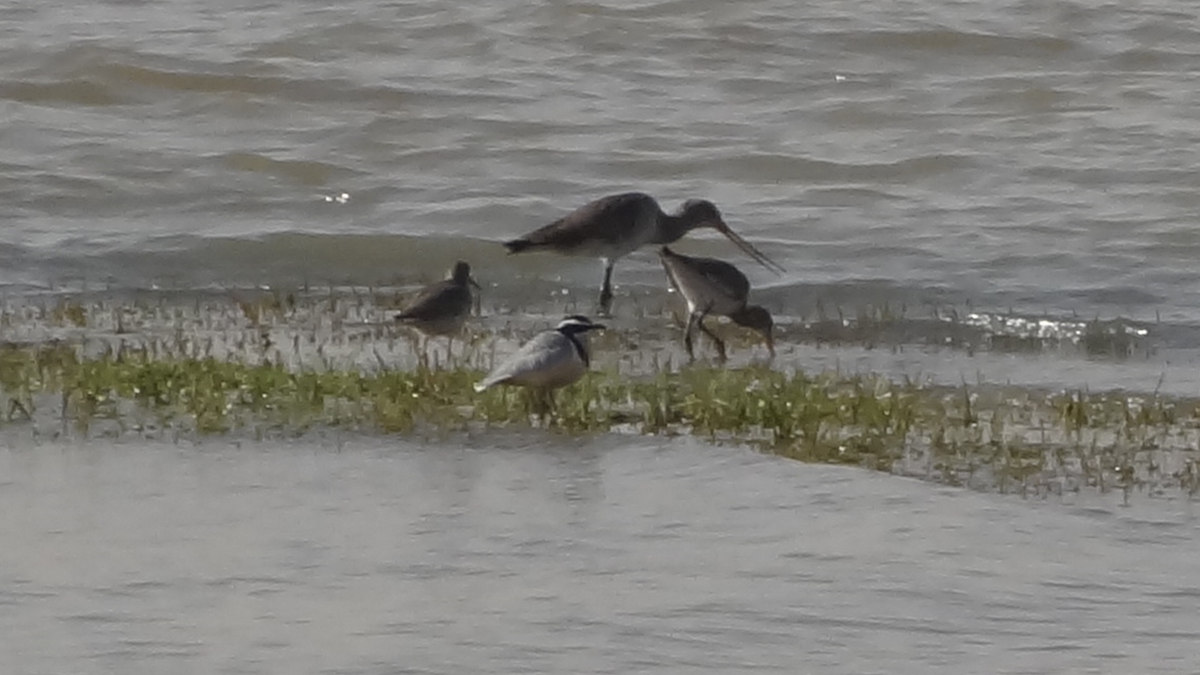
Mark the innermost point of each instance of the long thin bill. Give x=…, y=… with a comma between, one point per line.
x=749, y=249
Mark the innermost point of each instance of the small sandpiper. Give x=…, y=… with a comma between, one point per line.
x=443, y=307
x=715, y=287
x=614, y=226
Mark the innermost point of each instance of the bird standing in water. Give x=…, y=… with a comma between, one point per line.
x=442, y=308
x=715, y=287
x=550, y=360
x=614, y=226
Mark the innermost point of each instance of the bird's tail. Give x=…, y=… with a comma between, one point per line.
x=480, y=386
x=518, y=245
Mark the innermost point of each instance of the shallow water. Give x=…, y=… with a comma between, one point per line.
x=1022, y=157
x=535, y=554
x=997, y=176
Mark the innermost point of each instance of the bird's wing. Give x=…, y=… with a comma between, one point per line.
x=607, y=220
x=725, y=276
x=542, y=352
x=437, y=300
x=688, y=275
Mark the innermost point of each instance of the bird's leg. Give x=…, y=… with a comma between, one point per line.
x=423, y=351
x=606, y=293
x=716, y=340
x=532, y=400
x=551, y=408
x=414, y=340
x=687, y=335
x=477, y=299
x=543, y=404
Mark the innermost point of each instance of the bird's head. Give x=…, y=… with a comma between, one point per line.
x=758, y=319
x=461, y=274
x=703, y=213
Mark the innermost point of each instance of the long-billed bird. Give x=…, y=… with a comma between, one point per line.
x=614, y=226
x=711, y=286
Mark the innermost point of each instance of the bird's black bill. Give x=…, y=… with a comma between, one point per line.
x=749, y=249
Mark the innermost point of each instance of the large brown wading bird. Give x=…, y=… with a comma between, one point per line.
x=611, y=227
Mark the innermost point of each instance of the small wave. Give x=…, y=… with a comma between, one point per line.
x=779, y=167
x=281, y=259
x=91, y=74
x=1149, y=60
x=946, y=42
x=840, y=196
x=1025, y=97
x=208, y=78
x=68, y=92
x=303, y=172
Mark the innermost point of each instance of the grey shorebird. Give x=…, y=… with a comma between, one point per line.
x=611, y=227
x=550, y=360
x=715, y=287
x=442, y=308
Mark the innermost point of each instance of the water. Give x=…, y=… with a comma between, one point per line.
x=502, y=554
x=1023, y=157
x=1022, y=168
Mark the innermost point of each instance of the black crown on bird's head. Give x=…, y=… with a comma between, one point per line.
x=577, y=323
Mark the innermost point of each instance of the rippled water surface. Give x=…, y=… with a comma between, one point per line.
x=1023, y=153
x=505, y=555
x=1024, y=158
x=1001, y=191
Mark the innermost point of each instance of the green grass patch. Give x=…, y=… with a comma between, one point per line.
x=993, y=438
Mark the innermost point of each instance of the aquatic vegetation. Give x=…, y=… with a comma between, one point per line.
x=1007, y=440
x=273, y=362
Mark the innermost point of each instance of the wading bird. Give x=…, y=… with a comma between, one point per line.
x=443, y=307
x=550, y=360
x=714, y=287
x=614, y=226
